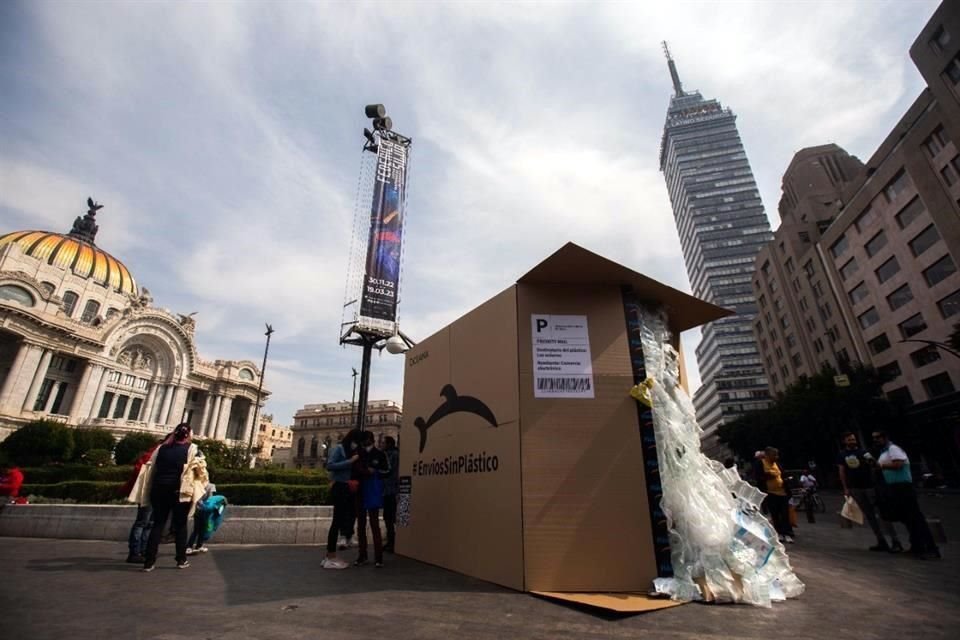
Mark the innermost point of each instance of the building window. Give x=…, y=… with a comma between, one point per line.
x=69, y=303
x=128, y=380
x=135, y=407
x=817, y=289
x=803, y=304
x=808, y=268
x=784, y=322
x=105, y=405
x=879, y=344
x=938, y=385
x=924, y=240
x=839, y=247
x=900, y=396
x=912, y=326
x=795, y=358
x=788, y=265
x=875, y=244
x=889, y=371
x=939, y=270
x=778, y=303
x=887, y=270
x=865, y=219
x=900, y=297
x=90, y=311
x=301, y=443
x=314, y=443
x=869, y=317
x=791, y=340
x=763, y=301
x=804, y=237
x=949, y=175
x=121, y=407
x=779, y=352
x=796, y=285
x=773, y=286
x=910, y=212
x=925, y=356
x=833, y=335
x=766, y=268
x=818, y=345
x=953, y=70
x=849, y=268
x=896, y=186
x=940, y=39
x=936, y=142
x=843, y=356
x=949, y=305
x=858, y=293
x=114, y=376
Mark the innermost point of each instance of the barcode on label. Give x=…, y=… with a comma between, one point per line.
x=564, y=384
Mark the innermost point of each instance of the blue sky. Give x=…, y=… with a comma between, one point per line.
x=224, y=139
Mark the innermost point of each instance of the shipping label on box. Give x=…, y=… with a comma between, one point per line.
x=562, y=365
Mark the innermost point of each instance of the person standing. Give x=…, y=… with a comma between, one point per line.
x=390, y=488
x=173, y=481
x=143, y=523
x=375, y=468
x=778, y=504
x=340, y=462
x=855, y=467
x=895, y=466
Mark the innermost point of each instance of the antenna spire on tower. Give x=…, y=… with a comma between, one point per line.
x=677, y=87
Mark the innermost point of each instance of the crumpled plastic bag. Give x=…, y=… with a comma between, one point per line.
x=723, y=549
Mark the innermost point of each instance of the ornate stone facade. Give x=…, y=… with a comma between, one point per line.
x=272, y=438
x=82, y=343
x=317, y=427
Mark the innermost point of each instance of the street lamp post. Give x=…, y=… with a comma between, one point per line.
x=353, y=398
x=256, y=407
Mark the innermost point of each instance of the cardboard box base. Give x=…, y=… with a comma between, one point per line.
x=618, y=602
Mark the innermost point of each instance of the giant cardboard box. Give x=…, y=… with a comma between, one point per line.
x=523, y=460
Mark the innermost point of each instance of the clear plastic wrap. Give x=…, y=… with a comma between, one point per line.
x=720, y=540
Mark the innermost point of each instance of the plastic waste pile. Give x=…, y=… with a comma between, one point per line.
x=723, y=548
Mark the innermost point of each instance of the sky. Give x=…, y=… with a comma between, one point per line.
x=225, y=141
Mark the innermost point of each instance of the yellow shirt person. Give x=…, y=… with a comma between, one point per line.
x=774, y=478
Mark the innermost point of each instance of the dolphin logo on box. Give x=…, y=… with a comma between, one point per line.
x=453, y=403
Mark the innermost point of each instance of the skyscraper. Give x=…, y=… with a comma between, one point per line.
x=722, y=226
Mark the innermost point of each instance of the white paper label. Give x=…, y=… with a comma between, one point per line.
x=562, y=366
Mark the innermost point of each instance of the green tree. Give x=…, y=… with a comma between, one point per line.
x=221, y=456
x=805, y=421
x=132, y=446
x=38, y=443
x=85, y=440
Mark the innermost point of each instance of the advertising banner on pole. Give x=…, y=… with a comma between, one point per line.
x=381, y=280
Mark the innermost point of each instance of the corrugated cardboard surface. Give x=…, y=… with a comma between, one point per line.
x=469, y=523
x=572, y=264
x=619, y=602
x=585, y=514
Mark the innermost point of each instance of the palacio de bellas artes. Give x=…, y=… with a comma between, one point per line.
x=82, y=343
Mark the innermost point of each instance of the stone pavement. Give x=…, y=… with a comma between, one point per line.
x=81, y=589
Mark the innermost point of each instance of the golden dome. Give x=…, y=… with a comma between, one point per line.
x=69, y=252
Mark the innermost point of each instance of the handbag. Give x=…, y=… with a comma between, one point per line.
x=851, y=511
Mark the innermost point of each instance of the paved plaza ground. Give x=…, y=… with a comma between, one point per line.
x=82, y=589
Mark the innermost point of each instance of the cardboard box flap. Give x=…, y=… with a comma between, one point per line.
x=619, y=602
x=572, y=264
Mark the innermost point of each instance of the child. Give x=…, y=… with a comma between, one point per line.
x=206, y=519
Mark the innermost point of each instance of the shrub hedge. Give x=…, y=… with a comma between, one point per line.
x=53, y=474
x=100, y=491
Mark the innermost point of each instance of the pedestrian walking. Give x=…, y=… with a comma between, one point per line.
x=855, y=466
x=340, y=463
x=390, y=490
x=778, y=504
x=895, y=466
x=171, y=482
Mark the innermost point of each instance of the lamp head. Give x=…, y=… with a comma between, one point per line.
x=396, y=345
